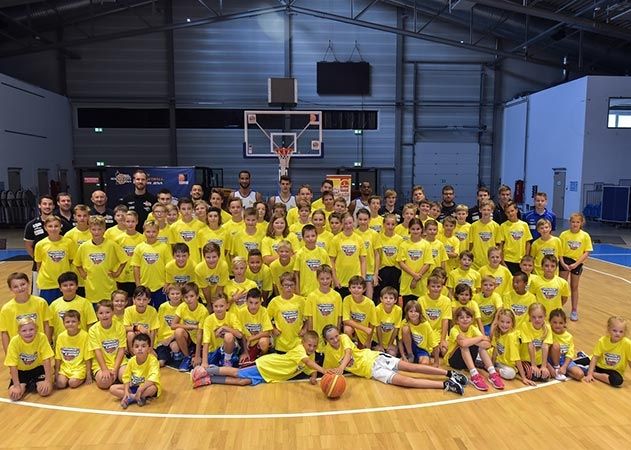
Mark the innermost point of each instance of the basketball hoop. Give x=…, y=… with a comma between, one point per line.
x=284, y=155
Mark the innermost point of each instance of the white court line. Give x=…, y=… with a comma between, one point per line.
x=609, y=274
x=610, y=254
x=277, y=415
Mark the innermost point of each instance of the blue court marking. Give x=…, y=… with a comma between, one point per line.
x=613, y=254
x=12, y=253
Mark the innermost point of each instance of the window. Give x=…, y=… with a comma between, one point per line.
x=619, y=113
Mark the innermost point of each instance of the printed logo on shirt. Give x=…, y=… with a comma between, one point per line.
x=358, y=316
x=163, y=239
x=69, y=353
x=97, y=258
x=249, y=246
x=387, y=326
x=487, y=310
x=290, y=316
x=449, y=248
x=611, y=359
x=434, y=253
x=517, y=235
x=461, y=235
x=537, y=343
x=321, y=244
x=253, y=328
x=466, y=281
x=190, y=322
x=56, y=255
x=564, y=348
x=485, y=236
x=151, y=258
x=212, y=279
x=389, y=250
x=500, y=348
x=418, y=339
x=219, y=242
x=325, y=308
x=110, y=345
x=187, y=235
x=547, y=251
x=129, y=249
x=349, y=249
x=136, y=380
x=26, y=316
x=433, y=313
x=414, y=254
x=182, y=278
x=169, y=319
x=519, y=310
x=313, y=264
x=574, y=245
x=27, y=358
x=549, y=292
x=499, y=280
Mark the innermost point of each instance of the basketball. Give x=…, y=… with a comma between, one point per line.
x=333, y=385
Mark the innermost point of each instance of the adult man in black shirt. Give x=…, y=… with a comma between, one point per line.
x=447, y=204
x=474, y=211
x=64, y=211
x=99, y=208
x=34, y=232
x=140, y=200
x=504, y=195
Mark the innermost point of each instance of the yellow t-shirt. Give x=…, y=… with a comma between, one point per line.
x=362, y=313
x=164, y=235
x=98, y=261
x=195, y=317
x=507, y=348
x=612, y=355
x=35, y=308
x=276, y=269
x=439, y=255
x=540, y=248
x=388, y=247
x=361, y=362
x=483, y=236
x=128, y=244
x=59, y=307
x=415, y=255
x=488, y=306
x=452, y=245
x=376, y=224
x=566, y=343
x=528, y=334
x=147, y=319
x=519, y=305
x=73, y=352
x=402, y=231
x=452, y=339
x=388, y=323
x=324, y=309
x=28, y=355
x=503, y=278
x=211, y=276
x=469, y=277
x=550, y=292
x=55, y=258
x=296, y=230
x=236, y=292
x=181, y=275
x=79, y=237
x=471, y=304
x=370, y=238
x=221, y=237
x=347, y=251
x=269, y=245
x=263, y=278
x=423, y=335
x=166, y=314
x=242, y=243
x=288, y=317
x=462, y=233
x=575, y=244
x=212, y=322
x=324, y=240
x=252, y=324
x=436, y=310
x=233, y=227
x=108, y=341
x=113, y=233
x=152, y=260
x=278, y=367
x=306, y=263
x=187, y=233
x=136, y=374
x=515, y=236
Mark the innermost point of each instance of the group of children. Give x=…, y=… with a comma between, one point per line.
x=243, y=301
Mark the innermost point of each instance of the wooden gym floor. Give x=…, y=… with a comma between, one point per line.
x=369, y=415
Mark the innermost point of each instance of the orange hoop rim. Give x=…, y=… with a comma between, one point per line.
x=283, y=152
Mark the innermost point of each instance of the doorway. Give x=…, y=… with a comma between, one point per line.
x=558, y=193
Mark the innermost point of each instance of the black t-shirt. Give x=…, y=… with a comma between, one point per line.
x=474, y=214
x=34, y=231
x=499, y=215
x=447, y=210
x=108, y=215
x=397, y=212
x=141, y=204
x=66, y=225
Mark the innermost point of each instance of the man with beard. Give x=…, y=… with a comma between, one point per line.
x=64, y=211
x=197, y=192
x=448, y=205
x=99, y=208
x=141, y=200
x=248, y=196
x=34, y=232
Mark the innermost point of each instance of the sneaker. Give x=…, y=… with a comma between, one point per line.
x=178, y=356
x=142, y=401
x=202, y=381
x=185, y=365
x=496, y=381
x=574, y=316
x=452, y=385
x=459, y=378
x=478, y=382
x=197, y=372
x=479, y=363
x=125, y=402
x=581, y=354
x=559, y=376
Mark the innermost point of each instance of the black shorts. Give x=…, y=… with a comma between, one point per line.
x=456, y=361
x=577, y=270
x=163, y=352
x=615, y=379
x=30, y=378
x=513, y=267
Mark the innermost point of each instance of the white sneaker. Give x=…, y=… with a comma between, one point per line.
x=560, y=377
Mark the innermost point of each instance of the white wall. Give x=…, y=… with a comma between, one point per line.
x=555, y=135
x=36, y=133
x=513, y=142
x=607, y=154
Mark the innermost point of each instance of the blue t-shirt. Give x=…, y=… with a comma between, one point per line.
x=531, y=218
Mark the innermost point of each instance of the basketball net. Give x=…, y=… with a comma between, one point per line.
x=284, y=155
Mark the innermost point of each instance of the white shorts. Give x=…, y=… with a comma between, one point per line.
x=385, y=368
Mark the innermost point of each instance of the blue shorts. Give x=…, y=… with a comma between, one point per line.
x=50, y=295
x=157, y=298
x=217, y=357
x=562, y=361
x=419, y=353
x=487, y=329
x=163, y=352
x=251, y=373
